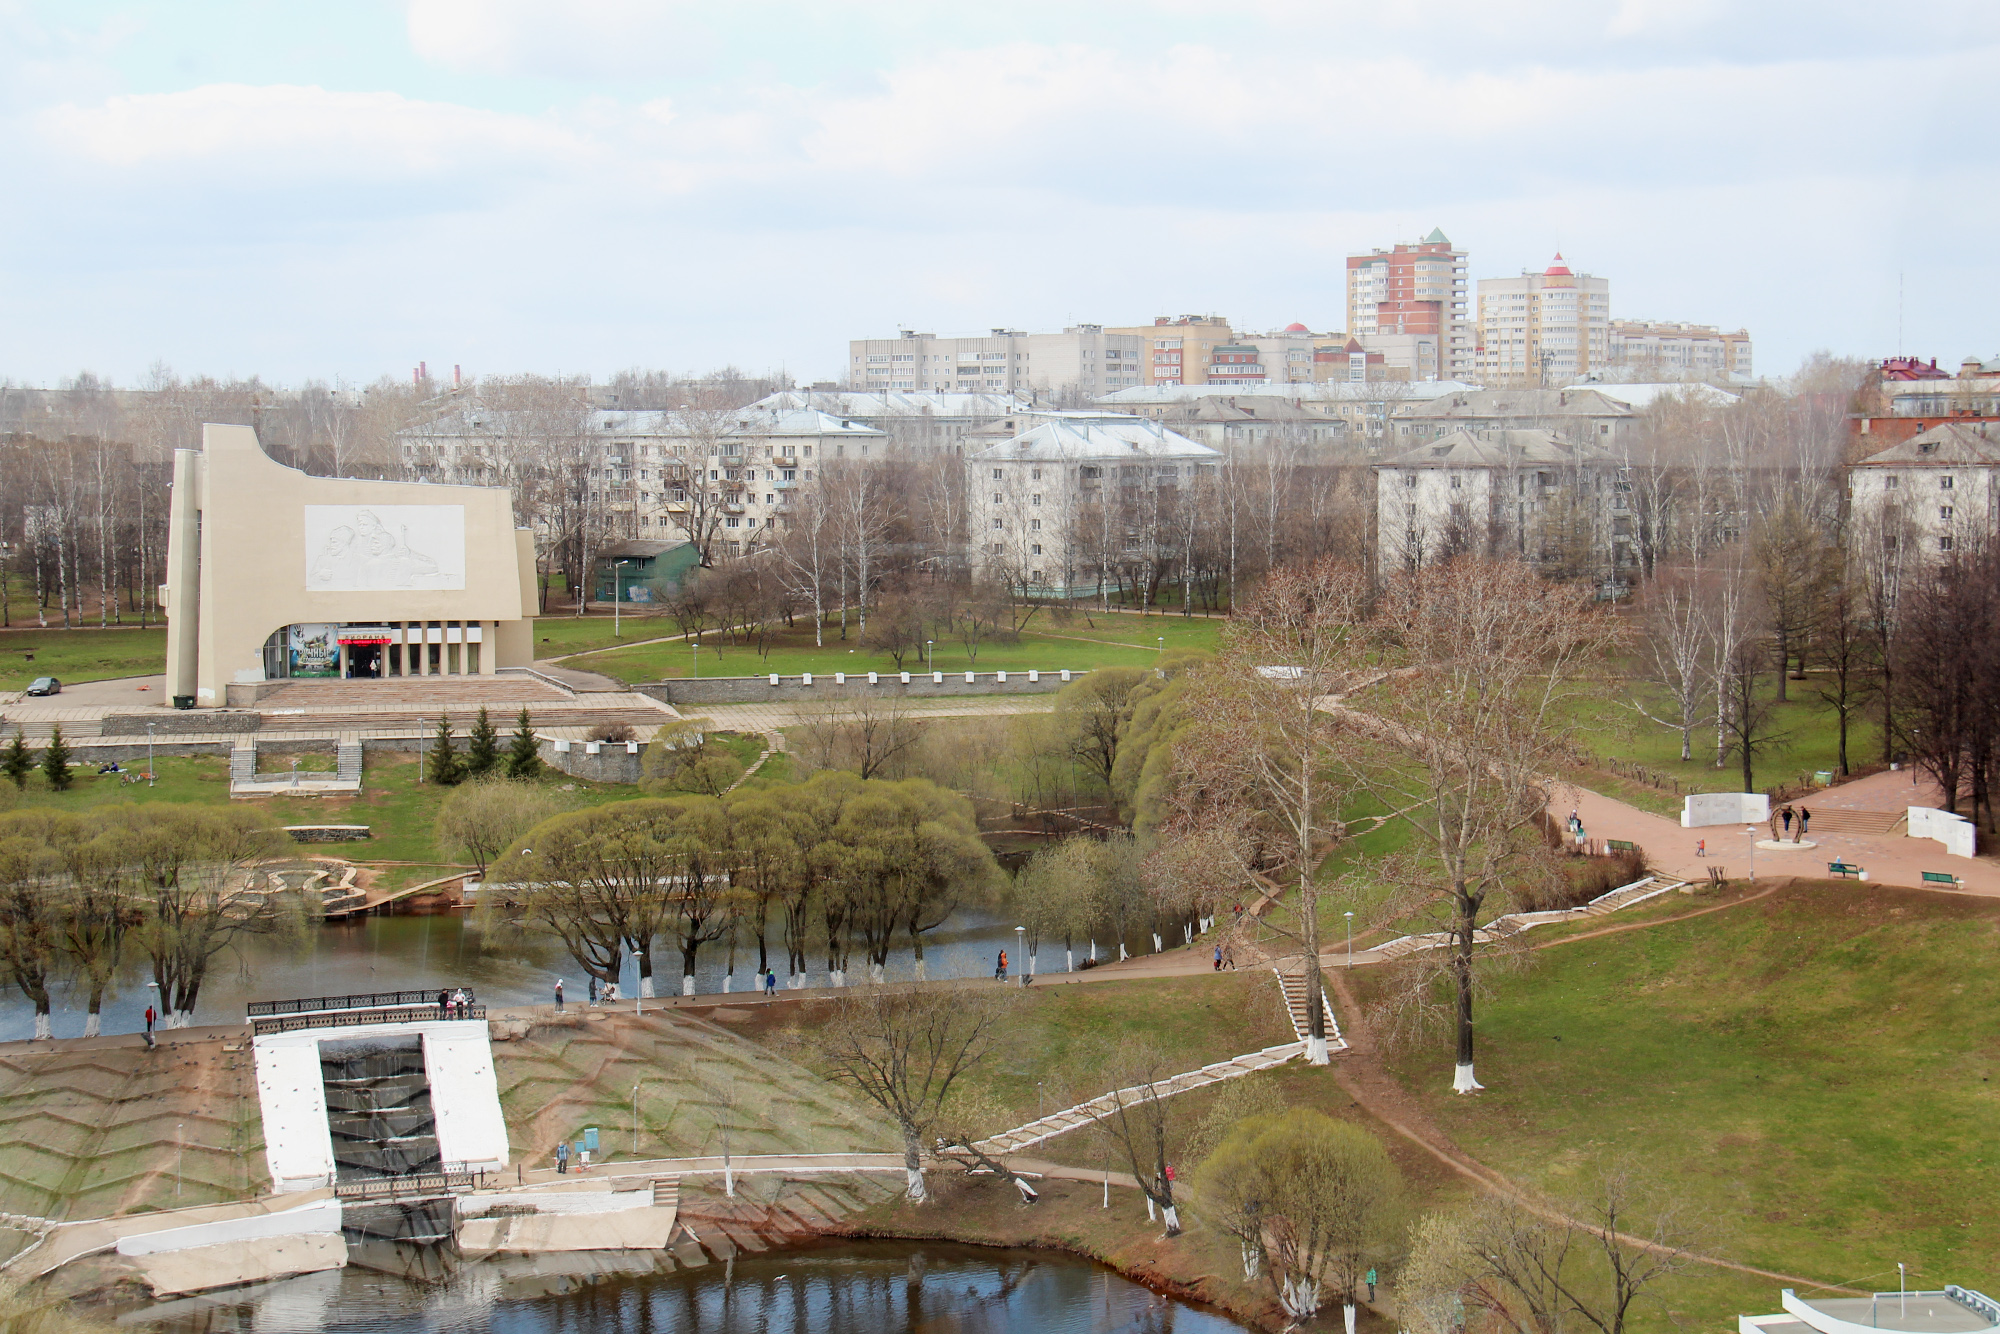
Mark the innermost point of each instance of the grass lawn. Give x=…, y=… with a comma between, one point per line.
x=560, y=636
x=1814, y=1071
x=1102, y=641
x=1607, y=726
x=79, y=655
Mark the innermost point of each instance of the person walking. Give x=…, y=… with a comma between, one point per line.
x=444, y=1004
x=1218, y=957
x=1000, y=968
x=558, y=995
x=152, y=1016
x=1804, y=815
x=562, y=1156
x=1371, y=1284
x=1785, y=818
x=771, y=982
x=1701, y=847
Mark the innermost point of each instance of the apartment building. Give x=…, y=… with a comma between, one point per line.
x=1073, y=505
x=1178, y=350
x=1409, y=304
x=1935, y=493
x=1543, y=328
x=729, y=475
x=1679, y=351
x=1365, y=408
x=1591, y=416
x=915, y=422
x=1084, y=360
x=1528, y=493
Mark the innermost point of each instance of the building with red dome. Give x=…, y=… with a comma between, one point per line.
x=1546, y=328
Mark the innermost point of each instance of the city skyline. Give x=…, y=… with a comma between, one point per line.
x=507, y=185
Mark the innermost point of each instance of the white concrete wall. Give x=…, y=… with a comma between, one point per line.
x=1712, y=808
x=321, y=1216
x=559, y=1202
x=291, y=1092
x=465, y=1095
x=1954, y=831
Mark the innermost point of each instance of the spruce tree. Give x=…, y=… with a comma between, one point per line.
x=16, y=761
x=482, y=751
x=447, y=769
x=55, y=761
x=524, y=756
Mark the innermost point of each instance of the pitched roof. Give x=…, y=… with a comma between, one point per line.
x=1074, y=439
x=876, y=403
x=1950, y=443
x=1489, y=449
x=1487, y=403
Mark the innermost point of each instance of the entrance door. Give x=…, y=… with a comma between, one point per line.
x=364, y=660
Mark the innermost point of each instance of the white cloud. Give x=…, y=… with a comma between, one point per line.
x=577, y=39
x=286, y=129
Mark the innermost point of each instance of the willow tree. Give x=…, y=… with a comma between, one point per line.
x=597, y=880
x=30, y=925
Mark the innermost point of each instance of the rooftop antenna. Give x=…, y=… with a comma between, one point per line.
x=1899, y=312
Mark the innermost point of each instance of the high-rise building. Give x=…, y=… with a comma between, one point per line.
x=1413, y=297
x=1085, y=359
x=1543, y=328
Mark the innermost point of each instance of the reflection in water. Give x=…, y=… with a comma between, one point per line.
x=424, y=953
x=864, y=1288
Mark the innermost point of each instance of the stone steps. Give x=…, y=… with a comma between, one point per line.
x=1293, y=985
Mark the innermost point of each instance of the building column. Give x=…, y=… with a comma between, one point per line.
x=489, y=637
x=423, y=648
x=342, y=646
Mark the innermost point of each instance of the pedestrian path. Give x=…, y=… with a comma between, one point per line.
x=1512, y=924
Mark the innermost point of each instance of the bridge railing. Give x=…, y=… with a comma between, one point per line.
x=367, y=1000
x=407, y=1014
x=454, y=1179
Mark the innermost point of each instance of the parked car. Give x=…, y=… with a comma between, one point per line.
x=45, y=685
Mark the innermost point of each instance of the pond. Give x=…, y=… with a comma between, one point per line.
x=428, y=952
x=846, y=1288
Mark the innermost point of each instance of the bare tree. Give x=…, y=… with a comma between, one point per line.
x=903, y=1048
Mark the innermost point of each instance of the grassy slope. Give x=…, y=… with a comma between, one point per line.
x=79, y=655
x=1815, y=1070
x=1082, y=644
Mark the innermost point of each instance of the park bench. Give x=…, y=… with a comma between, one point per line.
x=1621, y=845
x=1847, y=870
x=1945, y=878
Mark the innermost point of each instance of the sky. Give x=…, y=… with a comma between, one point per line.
x=238, y=187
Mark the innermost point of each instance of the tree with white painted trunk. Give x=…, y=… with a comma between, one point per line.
x=904, y=1048
x=1261, y=778
x=1458, y=732
x=31, y=875
x=1316, y=1199
x=1142, y=1123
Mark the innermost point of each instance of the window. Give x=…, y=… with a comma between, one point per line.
x=998, y=524
x=1944, y=513
x=1036, y=475
x=996, y=474
x=1891, y=482
x=1944, y=483
x=1037, y=499
x=998, y=548
x=1944, y=544
x=996, y=497
x=1090, y=471
x=1409, y=479
x=1035, y=525
x=1036, y=549
x=1454, y=481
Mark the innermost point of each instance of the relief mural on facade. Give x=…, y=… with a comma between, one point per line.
x=381, y=548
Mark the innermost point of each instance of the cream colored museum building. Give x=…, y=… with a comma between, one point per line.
x=274, y=574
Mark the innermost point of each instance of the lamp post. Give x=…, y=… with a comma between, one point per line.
x=420, y=752
x=617, y=594
x=1751, y=830
x=929, y=652
x=149, y=754
x=1350, y=937
x=1163, y=643
x=1020, y=953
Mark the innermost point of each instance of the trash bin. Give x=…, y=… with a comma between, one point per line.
x=183, y=701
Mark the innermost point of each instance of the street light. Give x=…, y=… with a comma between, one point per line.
x=420, y=752
x=1020, y=952
x=929, y=646
x=149, y=754
x=1751, y=830
x=617, y=594
x=1350, y=938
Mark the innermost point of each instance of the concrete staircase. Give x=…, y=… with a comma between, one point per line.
x=347, y=758
x=243, y=762
x=1833, y=820
x=1293, y=984
x=1512, y=924
x=378, y=1108
x=1087, y=1113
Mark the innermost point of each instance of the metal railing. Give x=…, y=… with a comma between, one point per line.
x=448, y=1181
x=367, y=1000
x=413, y=1014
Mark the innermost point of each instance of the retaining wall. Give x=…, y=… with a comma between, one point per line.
x=1702, y=809
x=178, y=722
x=597, y=761
x=853, y=685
